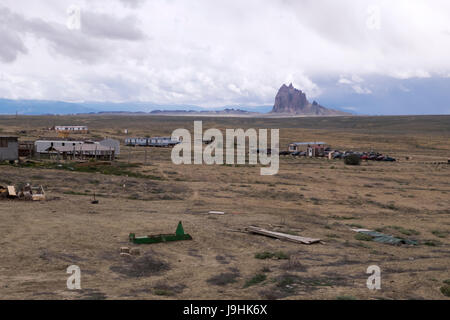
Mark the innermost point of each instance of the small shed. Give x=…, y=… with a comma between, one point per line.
x=9, y=148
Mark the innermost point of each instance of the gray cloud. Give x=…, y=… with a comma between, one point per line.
x=132, y=3
x=67, y=42
x=110, y=27
x=11, y=41
x=215, y=52
x=91, y=44
x=11, y=45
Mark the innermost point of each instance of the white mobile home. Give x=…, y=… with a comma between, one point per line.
x=136, y=141
x=74, y=129
x=41, y=146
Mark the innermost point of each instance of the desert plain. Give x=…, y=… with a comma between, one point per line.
x=145, y=193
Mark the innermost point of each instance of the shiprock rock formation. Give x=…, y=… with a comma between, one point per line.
x=290, y=100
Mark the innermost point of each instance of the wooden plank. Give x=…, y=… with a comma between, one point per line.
x=216, y=212
x=359, y=230
x=12, y=191
x=282, y=236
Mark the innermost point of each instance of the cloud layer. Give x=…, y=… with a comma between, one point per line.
x=213, y=53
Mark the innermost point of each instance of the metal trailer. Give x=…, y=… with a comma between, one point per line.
x=136, y=142
x=151, y=142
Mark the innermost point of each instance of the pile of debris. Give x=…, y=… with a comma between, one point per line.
x=374, y=156
x=338, y=154
x=385, y=238
x=27, y=192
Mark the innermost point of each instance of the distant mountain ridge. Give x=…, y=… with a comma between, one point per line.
x=43, y=107
x=37, y=107
x=224, y=111
x=290, y=100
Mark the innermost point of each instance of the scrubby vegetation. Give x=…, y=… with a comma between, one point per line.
x=255, y=280
x=272, y=255
x=352, y=159
x=107, y=168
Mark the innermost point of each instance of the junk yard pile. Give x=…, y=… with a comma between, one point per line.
x=320, y=149
x=141, y=227
x=27, y=192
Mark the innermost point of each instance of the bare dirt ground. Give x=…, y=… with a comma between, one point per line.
x=316, y=198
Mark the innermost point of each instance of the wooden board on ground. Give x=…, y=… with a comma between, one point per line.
x=359, y=230
x=282, y=236
x=12, y=191
x=216, y=212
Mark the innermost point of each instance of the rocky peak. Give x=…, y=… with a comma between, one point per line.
x=290, y=100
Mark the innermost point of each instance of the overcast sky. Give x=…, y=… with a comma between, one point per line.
x=215, y=53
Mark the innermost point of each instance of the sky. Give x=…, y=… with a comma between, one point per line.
x=366, y=56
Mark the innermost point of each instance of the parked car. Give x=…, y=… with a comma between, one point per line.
x=338, y=155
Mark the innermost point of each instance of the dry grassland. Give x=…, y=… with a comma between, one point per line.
x=316, y=198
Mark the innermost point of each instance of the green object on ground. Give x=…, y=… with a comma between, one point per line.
x=179, y=235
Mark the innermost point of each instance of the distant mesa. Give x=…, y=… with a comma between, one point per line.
x=224, y=111
x=290, y=100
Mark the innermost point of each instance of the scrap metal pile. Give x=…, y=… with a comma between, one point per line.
x=337, y=154
x=363, y=155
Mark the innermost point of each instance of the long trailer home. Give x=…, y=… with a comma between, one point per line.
x=72, y=129
x=42, y=146
x=106, y=149
x=136, y=141
x=85, y=151
x=151, y=142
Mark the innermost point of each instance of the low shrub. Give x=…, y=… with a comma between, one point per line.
x=255, y=280
x=352, y=159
